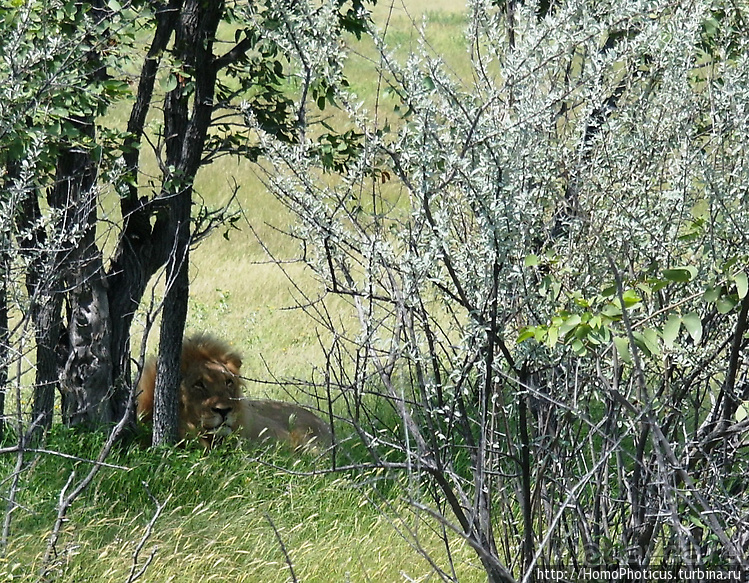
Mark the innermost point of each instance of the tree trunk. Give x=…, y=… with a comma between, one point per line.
x=43, y=286
x=86, y=381
x=48, y=329
x=142, y=248
x=87, y=386
x=168, y=376
x=86, y=368
x=185, y=139
x=4, y=330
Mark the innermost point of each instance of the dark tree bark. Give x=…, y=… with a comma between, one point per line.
x=86, y=376
x=75, y=358
x=168, y=377
x=4, y=330
x=43, y=285
x=143, y=248
x=185, y=137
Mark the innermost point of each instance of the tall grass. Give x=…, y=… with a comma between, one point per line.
x=227, y=518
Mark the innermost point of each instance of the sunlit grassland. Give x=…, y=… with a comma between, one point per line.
x=225, y=518
x=221, y=509
x=412, y=27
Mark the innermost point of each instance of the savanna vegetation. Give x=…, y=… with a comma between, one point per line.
x=500, y=246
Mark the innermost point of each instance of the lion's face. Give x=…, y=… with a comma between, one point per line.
x=210, y=399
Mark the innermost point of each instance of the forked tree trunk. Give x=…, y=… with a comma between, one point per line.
x=90, y=359
x=143, y=247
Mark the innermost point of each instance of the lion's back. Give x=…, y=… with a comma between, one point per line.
x=283, y=421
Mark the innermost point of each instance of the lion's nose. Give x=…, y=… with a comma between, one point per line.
x=223, y=411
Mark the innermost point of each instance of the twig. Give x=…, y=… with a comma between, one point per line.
x=146, y=535
x=283, y=547
x=66, y=501
x=18, y=448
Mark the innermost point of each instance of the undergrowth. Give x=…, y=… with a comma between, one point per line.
x=227, y=516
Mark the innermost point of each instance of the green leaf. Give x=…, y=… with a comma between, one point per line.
x=600, y=336
x=631, y=298
x=583, y=303
x=570, y=323
x=170, y=83
x=680, y=274
x=622, y=347
x=582, y=331
x=710, y=26
x=645, y=288
x=671, y=330
x=552, y=337
x=742, y=284
x=531, y=261
x=579, y=348
x=641, y=343
x=650, y=338
x=612, y=310
x=526, y=333
x=693, y=324
x=725, y=304
x=712, y=294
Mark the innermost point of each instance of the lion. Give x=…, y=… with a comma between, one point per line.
x=212, y=405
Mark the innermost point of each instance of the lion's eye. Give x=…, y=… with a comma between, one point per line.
x=230, y=383
x=199, y=386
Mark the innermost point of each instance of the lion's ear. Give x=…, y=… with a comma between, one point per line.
x=233, y=362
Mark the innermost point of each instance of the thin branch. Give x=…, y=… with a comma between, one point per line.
x=66, y=501
x=18, y=448
x=146, y=535
x=286, y=555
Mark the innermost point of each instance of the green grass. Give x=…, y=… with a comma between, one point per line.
x=217, y=524
x=438, y=28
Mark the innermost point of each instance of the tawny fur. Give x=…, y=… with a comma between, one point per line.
x=212, y=406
